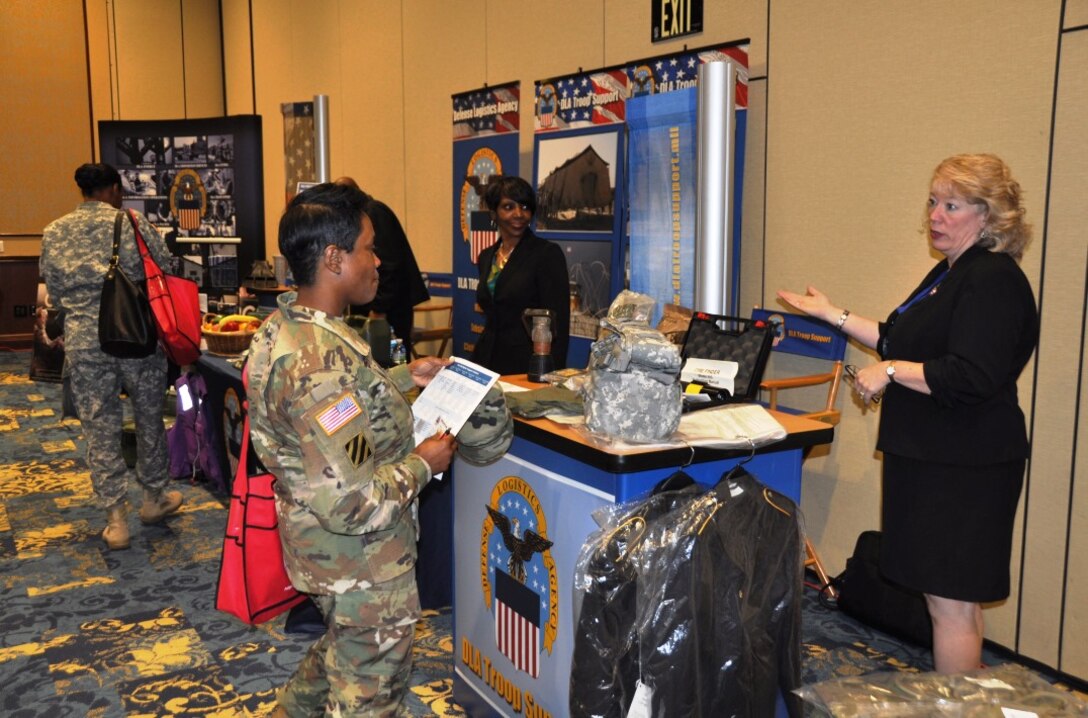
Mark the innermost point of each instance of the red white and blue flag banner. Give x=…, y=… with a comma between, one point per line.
x=484, y=233
x=599, y=97
x=487, y=111
x=517, y=623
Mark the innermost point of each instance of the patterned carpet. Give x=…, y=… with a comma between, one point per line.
x=89, y=632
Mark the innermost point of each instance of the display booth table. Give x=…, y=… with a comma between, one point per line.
x=513, y=640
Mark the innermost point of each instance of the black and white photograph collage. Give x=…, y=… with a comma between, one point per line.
x=184, y=185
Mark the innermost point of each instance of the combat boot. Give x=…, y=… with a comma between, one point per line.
x=158, y=506
x=116, y=532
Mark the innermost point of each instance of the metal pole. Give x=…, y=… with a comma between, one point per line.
x=321, y=137
x=714, y=270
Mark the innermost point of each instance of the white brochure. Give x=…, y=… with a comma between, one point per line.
x=450, y=398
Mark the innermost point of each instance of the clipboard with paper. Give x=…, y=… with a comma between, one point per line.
x=450, y=398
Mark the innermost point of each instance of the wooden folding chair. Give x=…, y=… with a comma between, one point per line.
x=805, y=337
x=424, y=332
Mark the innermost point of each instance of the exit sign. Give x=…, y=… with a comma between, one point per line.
x=670, y=19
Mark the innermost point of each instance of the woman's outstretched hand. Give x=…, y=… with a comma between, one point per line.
x=813, y=303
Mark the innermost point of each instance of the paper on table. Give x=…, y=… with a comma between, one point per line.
x=712, y=372
x=731, y=426
x=450, y=398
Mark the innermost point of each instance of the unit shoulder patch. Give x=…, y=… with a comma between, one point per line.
x=358, y=449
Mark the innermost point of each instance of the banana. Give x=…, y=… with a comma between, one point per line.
x=242, y=318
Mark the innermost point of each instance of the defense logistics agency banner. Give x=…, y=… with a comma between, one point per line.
x=485, y=144
x=661, y=151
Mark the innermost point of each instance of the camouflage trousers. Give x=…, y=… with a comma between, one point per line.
x=361, y=666
x=97, y=379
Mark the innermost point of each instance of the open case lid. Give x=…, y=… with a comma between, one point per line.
x=744, y=341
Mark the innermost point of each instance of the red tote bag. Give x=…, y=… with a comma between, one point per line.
x=253, y=583
x=175, y=306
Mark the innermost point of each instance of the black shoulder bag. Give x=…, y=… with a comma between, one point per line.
x=866, y=595
x=126, y=328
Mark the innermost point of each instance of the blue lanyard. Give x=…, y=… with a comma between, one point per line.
x=927, y=292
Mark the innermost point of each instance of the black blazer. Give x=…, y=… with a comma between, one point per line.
x=535, y=277
x=400, y=284
x=973, y=336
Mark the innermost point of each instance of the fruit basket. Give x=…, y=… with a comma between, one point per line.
x=229, y=335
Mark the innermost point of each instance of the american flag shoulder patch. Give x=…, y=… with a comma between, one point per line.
x=358, y=449
x=343, y=410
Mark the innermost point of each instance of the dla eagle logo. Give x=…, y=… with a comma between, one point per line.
x=476, y=226
x=546, y=106
x=518, y=574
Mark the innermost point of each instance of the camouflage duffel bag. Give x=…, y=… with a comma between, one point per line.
x=633, y=389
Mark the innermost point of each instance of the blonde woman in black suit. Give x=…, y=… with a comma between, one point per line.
x=521, y=271
x=951, y=428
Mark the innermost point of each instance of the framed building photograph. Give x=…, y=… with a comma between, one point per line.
x=576, y=176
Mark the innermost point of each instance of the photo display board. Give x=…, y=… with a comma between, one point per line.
x=649, y=106
x=200, y=183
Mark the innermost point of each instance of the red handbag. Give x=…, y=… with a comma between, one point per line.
x=174, y=305
x=253, y=582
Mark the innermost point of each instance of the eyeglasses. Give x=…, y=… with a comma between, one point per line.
x=851, y=372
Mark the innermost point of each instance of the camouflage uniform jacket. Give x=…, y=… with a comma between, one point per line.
x=75, y=255
x=336, y=431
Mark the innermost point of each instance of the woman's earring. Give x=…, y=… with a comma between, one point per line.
x=494, y=224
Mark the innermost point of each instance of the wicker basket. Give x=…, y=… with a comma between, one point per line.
x=228, y=342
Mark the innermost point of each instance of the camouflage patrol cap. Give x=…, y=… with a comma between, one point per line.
x=488, y=432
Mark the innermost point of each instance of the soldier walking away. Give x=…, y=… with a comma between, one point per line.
x=76, y=251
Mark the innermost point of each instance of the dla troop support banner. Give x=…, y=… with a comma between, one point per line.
x=661, y=118
x=485, y=144
x=578, y=174
x=520, y=530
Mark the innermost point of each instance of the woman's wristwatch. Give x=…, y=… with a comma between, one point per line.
x=890, y=371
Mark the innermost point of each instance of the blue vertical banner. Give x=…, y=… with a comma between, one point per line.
x=662, y=171
x=662, y=135
x=485, y=144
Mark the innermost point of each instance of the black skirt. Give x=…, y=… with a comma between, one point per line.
x=948, y=529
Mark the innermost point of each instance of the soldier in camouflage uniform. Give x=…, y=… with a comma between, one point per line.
x=76, y=251
x=336, y=431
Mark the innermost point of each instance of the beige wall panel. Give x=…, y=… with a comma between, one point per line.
x=627, y=31
x=528, y=42
x=445, y=54
x=1076, y=13
x=297, y=49
x=854, y=130
x=100, y=50
x=1061, y=369
x=45, y=129
x=237, y=57
x=149, y=77
x=752, y=215
x=274, y=55
x=203, y=59
x=1074, y=657
x=370, y=145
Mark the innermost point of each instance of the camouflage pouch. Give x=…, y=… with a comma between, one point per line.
x=633, y=389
